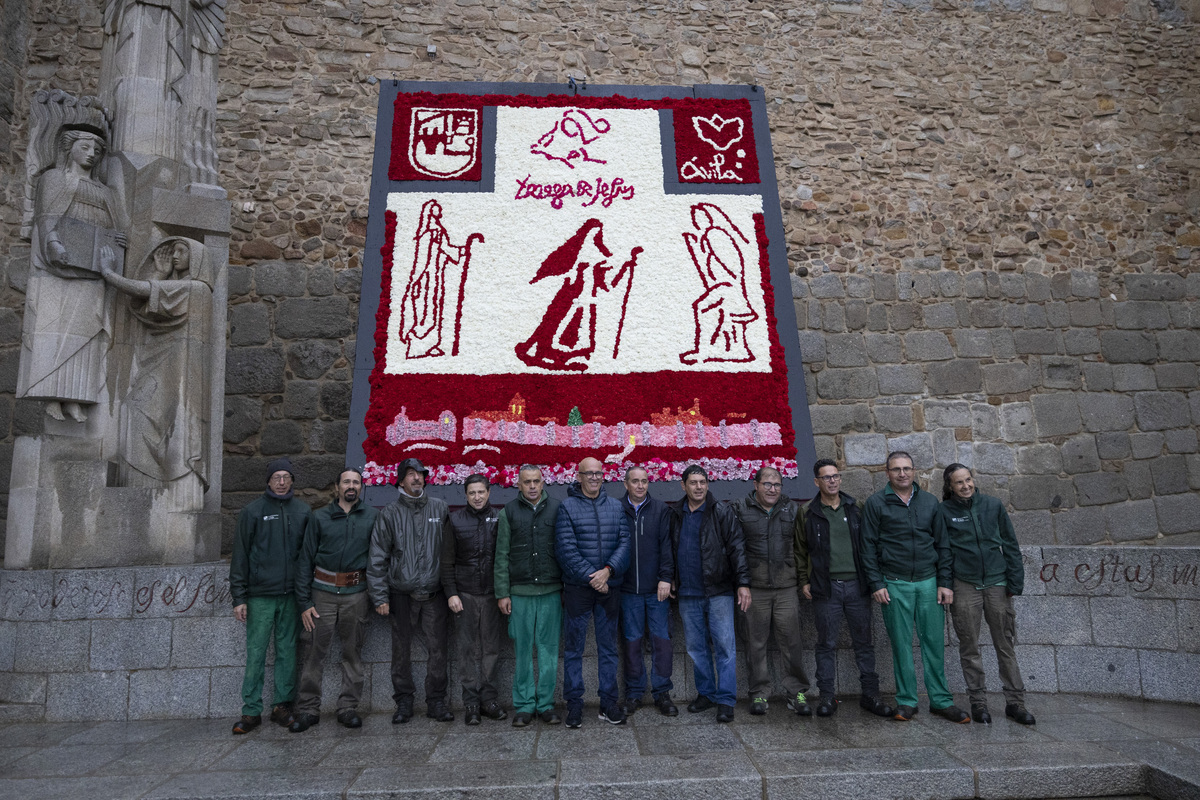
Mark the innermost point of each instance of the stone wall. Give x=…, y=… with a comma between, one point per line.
x=992, y=212
x=155, y=642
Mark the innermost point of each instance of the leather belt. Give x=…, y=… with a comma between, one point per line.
x=338, y=579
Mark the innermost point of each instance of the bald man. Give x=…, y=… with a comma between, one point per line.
x=591, y=539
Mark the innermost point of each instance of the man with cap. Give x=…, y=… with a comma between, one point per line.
x=405, y=585
x=331, y=588
x=269, y=533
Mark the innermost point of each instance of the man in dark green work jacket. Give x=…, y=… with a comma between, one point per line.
x=908, y=570
x=331, y=588
x=987, y=573
x=529, y=592
x=262, y=582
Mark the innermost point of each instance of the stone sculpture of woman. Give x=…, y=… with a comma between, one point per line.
x=165, y=417
x=67, y=313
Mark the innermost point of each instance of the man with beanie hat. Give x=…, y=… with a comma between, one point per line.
x=262, y=581
x=405, y=585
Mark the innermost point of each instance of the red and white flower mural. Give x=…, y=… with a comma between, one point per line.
x=594, y=299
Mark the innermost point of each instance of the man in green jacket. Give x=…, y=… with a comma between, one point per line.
x=262, y=582
x=331, y=588
x=987, y=573
x=908, y=569
x=529, y=592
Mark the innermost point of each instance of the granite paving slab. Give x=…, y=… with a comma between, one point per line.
x=494, y=780
x=710, y=776
x=1081, y=746
x=857, y=774
x=1049, y=769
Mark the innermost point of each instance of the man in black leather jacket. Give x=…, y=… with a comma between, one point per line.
x=405, y=583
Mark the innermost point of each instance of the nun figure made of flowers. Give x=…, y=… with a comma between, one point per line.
x=166, y=414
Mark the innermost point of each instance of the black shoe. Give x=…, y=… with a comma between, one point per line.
x=522, y=719
x=550, y=717
x=759, y=706
x=613, y=714
x=665, y=706
x=404, y=711
x=905, y=713
x=439, y=711
x=876, y=706
x=828, y=706
x=302, y=722
x=575, y=715
x=952, y=714
x=282, y=714
x=471, y=715
x=1018, y=714
x=493, y=710
x=246, y=724
x=701, y=703
x=800, y=705
x=724, y=713
x=631, y=705
x=981, y=714
x=349, y=717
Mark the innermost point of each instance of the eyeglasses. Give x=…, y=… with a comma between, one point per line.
x=771, y=486
x=901, y=470
x=829, y=478
x=592, y=474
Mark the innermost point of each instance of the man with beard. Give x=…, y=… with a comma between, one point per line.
x=468, y=579
x=331, y=588
x=405, y=582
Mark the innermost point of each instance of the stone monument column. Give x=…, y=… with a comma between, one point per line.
x=125, y=314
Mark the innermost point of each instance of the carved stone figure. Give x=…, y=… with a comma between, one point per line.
x=67, y=315
x=165, y=415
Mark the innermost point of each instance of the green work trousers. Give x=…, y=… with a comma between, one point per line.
x=535, y=625
x=915, y=604
x=264, y=615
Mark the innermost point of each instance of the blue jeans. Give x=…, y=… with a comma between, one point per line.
x=581, y=603
x=844, y=601
x=640, y=612
x=704, y=617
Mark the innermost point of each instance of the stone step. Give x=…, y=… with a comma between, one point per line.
x=21, y=712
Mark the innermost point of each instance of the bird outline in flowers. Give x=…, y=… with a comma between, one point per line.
x=724, y=310
x=557, y=144
x=565, y=339
x=422, y=307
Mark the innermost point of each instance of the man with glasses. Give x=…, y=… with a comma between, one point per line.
x=829, y=561
x=908, y=568
x=768, y=520
x=591, y=543
x=262, y=581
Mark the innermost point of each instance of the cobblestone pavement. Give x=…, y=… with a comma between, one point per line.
x=1080, y=747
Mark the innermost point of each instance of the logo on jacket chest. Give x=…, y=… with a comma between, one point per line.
x=960, y=519
x=270, y=517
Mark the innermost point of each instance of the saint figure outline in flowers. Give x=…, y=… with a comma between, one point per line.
x=557, y=144
x=723, y=311
x=422, y=308
x=565, y=339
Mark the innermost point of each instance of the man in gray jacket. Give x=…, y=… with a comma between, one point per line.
x=404, y=581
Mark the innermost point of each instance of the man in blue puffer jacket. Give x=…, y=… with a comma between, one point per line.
x=591, y=544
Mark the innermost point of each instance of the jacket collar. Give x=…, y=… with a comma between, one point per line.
x=541, y=501
x=815, y=506
x=752, y=500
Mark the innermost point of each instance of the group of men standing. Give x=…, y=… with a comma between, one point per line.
x=542, y=568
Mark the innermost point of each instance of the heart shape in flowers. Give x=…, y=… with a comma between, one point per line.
x=721, y=133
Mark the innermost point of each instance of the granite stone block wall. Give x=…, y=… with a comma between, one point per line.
x=991, y=212
x=147, y=643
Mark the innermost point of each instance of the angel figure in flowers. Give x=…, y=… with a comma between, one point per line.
x=430, y=281
x=565, y=339
x=723, y=311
